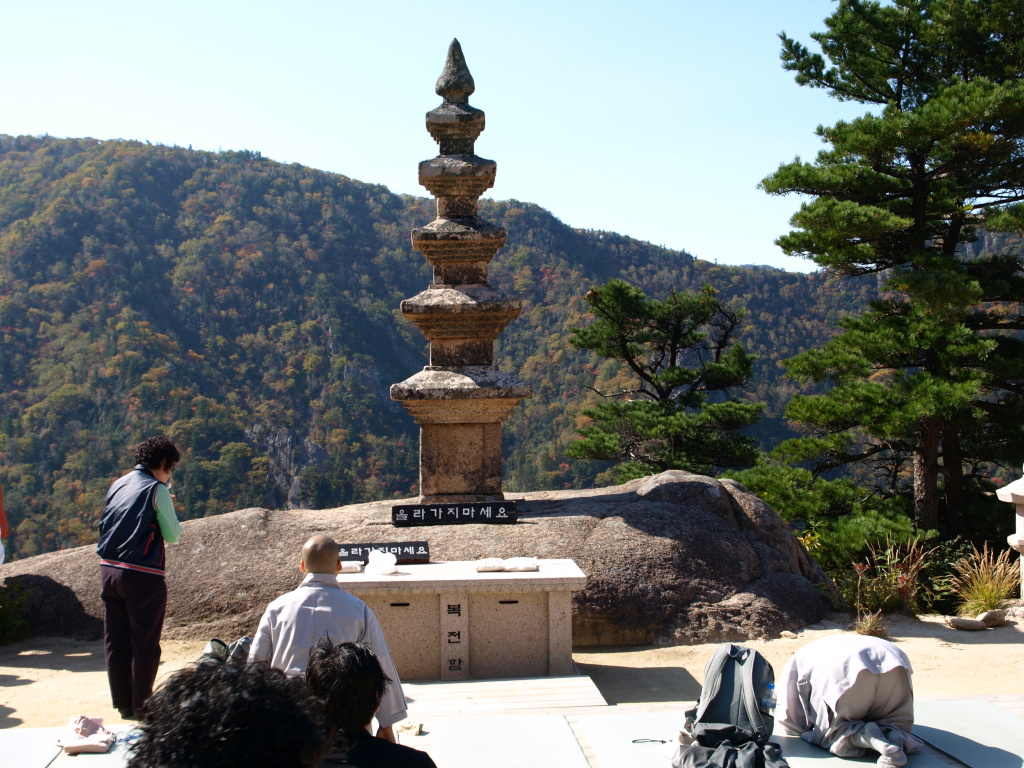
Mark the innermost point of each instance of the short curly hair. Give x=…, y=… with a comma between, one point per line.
x=230, y=716
x=157, y=453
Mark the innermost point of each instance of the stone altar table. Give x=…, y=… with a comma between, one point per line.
x=446, y=621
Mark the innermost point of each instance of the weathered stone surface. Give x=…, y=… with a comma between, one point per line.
x=460, y=383
x=461, y=462
x=459, y=401
x=455, y=84
x=675, y=558
x=461, y=324
x=992, y=618
x=458, y=175
x=461, y=234
x=961, y=622
x=455, y=121
x=472, y=300
x=459, y=249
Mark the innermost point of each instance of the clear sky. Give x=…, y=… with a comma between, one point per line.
x=655, y=119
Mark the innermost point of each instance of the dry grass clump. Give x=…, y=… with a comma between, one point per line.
x=871, y=624
x=985, y=580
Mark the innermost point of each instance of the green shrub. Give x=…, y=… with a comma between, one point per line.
x=797, y=495
x=936, y=576
x=984, y=580
x=13, y=624
x=850, y=539
x=837, y=519
x=889, y=578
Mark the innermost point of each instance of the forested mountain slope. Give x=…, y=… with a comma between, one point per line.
x=249, y=310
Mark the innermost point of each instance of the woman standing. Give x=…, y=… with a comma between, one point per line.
x=138, y=517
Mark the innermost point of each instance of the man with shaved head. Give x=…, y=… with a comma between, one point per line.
x=294, y=623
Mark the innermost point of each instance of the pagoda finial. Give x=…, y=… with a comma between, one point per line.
x=455, y=85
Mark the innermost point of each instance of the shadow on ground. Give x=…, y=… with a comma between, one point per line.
x=52, y=608
x=629, y=685
x=6, y=721
x=54, y=653
x=935, y=627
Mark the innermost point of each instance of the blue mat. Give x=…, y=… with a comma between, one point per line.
x=974, y=731
x=801, y=754
x=115, y=758
x=29, y=747
x=508, y=741
x=611, y=738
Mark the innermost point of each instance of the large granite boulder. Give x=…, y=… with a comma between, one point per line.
x=675, y=558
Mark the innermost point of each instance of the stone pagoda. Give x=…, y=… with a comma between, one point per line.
x=460, y=400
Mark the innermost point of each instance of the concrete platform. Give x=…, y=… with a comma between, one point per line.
x=539, y=695
x=116, y=757
x=506, y=741
x=565, y=722
x=29, y=747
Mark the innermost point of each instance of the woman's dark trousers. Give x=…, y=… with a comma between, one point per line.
x=135, y=604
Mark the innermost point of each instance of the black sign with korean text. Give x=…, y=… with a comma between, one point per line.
x=489, y=512
x=404, y=551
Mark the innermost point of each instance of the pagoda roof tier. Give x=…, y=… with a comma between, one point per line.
x=463, y=239
x=467, y=312
x=457, y=175
x=464, y=299
x=455, y=126
x=459, y=384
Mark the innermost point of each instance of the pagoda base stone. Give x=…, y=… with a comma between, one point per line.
x=460, y=463
x=460, y=412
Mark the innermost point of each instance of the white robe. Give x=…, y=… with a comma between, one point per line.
x=833, y=686
x=319, y=607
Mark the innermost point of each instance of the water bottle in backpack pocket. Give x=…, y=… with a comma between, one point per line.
x=738, y=690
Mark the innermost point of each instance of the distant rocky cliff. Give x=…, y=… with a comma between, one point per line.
x=288, y=454
x=675, y=558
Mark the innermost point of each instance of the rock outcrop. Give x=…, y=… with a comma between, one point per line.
x=675, y=559
x=289, y=454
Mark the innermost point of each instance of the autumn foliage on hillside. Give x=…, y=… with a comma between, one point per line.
x=249, y=310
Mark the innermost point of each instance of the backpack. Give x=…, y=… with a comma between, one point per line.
x=219, y=652
x=732, y=722
x=739, y=690
x=737, y=696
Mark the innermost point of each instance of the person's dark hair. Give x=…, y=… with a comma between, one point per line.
x=228, y=715
x=349, y=682
x=157, y=453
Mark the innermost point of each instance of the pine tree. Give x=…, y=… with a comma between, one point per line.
x=931, y=374
x=682, y=357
